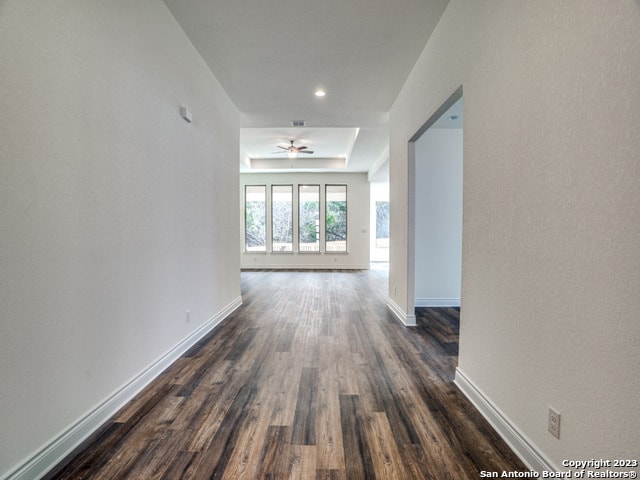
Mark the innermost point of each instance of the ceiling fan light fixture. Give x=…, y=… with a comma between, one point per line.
x=292, y=151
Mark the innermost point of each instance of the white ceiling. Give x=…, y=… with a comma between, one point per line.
x=271, y=56
x=326, y=143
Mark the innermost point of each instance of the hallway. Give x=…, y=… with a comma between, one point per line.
x=311, y=378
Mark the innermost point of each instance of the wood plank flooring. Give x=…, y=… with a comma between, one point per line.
x=312, y=378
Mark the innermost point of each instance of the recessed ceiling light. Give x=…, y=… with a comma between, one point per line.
x=320, y=93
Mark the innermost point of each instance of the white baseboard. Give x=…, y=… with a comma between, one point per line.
x=55, y=451
x=407, y=320
x=309, y=266
x=437, y=302
x=519, y=443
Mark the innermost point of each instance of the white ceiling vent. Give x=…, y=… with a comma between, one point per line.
x=298, y=123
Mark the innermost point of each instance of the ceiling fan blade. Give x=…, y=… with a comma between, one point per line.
x=292, y=149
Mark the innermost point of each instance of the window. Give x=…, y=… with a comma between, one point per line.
x=282, y=218
x=382, y=224
x=335, y=216
x=255, y=212
x=270, y=218
x=309, y=218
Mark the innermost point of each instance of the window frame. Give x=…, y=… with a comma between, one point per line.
x=292, y=222
x=319, y=225
x=266, y=223
x=327, y=186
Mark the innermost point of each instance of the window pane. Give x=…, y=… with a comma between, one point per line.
x=309, y=218
x=255, y=208
x=336, y=218
x=382, y=224
x=282, y=218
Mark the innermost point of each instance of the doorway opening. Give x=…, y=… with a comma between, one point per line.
x=435, y=208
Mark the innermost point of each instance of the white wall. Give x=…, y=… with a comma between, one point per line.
x=438, y=217
x=551, y=258
x=357, y=256
x=111, y=206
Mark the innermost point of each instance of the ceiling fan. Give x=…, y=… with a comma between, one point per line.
x=292, y=150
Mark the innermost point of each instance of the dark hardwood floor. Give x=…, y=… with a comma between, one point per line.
x=312, y=378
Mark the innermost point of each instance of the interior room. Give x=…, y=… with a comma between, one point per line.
x=133, y=135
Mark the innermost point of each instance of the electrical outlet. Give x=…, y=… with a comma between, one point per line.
x=188, y=316
x=554, y=423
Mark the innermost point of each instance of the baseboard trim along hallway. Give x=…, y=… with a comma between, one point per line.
x=407, y=320
x=518, y=442
x=56, y=450
x=437, y=302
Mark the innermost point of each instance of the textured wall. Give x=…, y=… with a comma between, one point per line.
x=358, y=199
x=551, y=257
x=108, y=200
